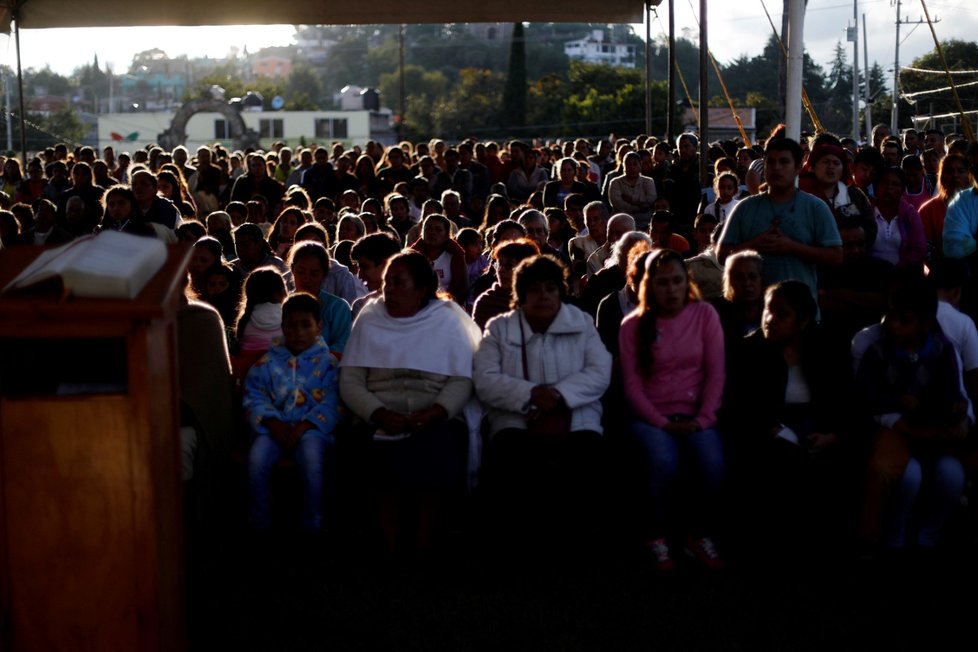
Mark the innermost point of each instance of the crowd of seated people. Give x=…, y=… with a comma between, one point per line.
x=783, y=351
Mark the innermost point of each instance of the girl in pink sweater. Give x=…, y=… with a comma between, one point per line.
x=673, y=372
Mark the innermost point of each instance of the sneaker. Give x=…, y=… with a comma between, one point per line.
x=660, y=555
x=705, y=552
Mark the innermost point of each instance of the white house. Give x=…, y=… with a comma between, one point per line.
x=596, y=49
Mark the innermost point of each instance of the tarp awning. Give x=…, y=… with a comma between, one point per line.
x=40, y=14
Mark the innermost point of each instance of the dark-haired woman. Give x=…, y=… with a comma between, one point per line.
x=407, y=375
x=672, y=356
x=900, y=237
x=446, y=257
x=786, y=400
x=954, y=174
x=541, y=371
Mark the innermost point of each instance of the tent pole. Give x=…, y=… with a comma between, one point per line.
x=20, y=87
x=648, y=68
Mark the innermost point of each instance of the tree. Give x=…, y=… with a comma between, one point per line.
x=960, y=55
x=514, y=94
x=604, y=98
x=422, y=89
x=545, y=104
x=47, y=82
x=303, y=89
x=472, y=108
x=836, y=111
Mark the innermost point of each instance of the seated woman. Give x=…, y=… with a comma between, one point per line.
x=339, y=280
x=292, y=405
x=611, y=312
x=497, y=299
x=309, y=263
x=541, y=370
x=900, y=236
x=566, y=183
x=742, y=302
x=444, y=255
x=611, y=278
x=406, y=375
x=673, y=371
x=371, y=254
x=283, y=230
x=786, y=400
x=705, y=268
x=254, y=252
x=908, y=381
x=123, y=214
x=953, y=174
x=207, y=254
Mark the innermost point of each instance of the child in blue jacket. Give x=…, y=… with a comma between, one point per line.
x=292, y=402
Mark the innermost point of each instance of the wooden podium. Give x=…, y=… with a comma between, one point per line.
x=91, y=519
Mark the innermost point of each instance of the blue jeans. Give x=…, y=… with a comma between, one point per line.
x=662, y=453
x=309, y=454
x=939, y=486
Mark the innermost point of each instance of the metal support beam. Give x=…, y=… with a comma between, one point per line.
x=796, y=57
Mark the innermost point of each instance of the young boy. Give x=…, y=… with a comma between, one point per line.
x=907, y=373
x=292, y=402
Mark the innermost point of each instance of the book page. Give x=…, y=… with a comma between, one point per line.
x=52, y=262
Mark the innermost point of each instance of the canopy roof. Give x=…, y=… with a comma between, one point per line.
x=39, y=14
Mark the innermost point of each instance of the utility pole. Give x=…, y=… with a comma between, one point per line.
x=866, y=92
x=852, y=35
x=704, y=107
x=671, y=111
x=895, y=113
x=895, y=110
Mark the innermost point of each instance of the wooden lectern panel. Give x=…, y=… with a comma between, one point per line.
x=76, y=494
x=91, y=539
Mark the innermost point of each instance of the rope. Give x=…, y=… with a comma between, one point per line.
x=679, y=71
x=909, y=96
x=940, y=72
x=726, y=93
x=965, y=121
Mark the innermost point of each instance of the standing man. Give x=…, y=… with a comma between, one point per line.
x=320, y=180
x=793, y=230
x=257, y=182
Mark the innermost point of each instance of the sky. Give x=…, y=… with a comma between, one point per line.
x=737, y=27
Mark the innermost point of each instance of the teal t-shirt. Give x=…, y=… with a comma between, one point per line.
x=805, y=219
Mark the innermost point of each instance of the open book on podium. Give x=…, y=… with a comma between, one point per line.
x=108, y=265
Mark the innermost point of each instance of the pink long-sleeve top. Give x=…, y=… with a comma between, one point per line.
x=687, y=367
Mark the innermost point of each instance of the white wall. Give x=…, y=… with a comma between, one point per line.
x=200, y=127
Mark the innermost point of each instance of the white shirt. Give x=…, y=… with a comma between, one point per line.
x=888, y=239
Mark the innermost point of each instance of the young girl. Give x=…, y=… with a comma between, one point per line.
x=476, y=262
x=222, y=289
x=283, y=230
x=309, y=263
x=292, y=402
x=786, y=400
x=259, y=318
x=726, y=187
x=673, y=371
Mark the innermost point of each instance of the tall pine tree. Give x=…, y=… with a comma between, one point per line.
x=514, y=94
